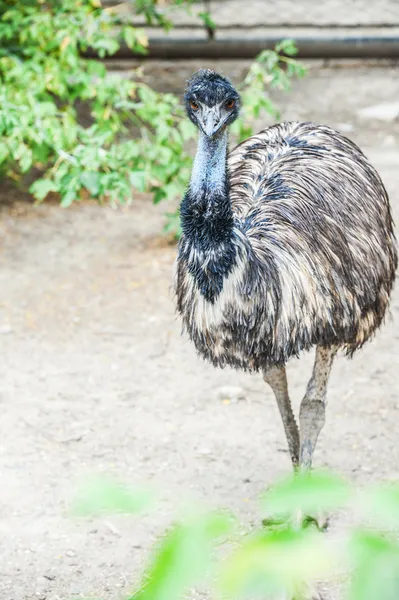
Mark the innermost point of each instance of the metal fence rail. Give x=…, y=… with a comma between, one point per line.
x=329, y=29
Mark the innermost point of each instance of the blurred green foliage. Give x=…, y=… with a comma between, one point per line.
x=210, y=550
x=106, y=496
x=135, y=139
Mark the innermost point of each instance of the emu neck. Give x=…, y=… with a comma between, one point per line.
x=206, y=213
x=207, y=247
x=209, y=169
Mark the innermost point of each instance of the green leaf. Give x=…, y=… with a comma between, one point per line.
x=287, y=47
x=376, y=564
x=187, y=129
x=68, y=198
x=4, y=152
x=241, y=130
x=207, y=20
x=183, y=558
x=26, y=160
x=138, y=180
x=276, y=563
x=159, y=195
x=91, y=181
x=309, y=492
x=136, y=39
x=106, y=496
x=106, y=46
x=42, y=187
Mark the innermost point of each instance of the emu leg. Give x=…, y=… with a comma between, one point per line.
x=277, y=379
x=312, y=411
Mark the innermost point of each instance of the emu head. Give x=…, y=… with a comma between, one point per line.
x=211, y=102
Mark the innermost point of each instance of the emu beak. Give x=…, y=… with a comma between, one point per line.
x=211, y=121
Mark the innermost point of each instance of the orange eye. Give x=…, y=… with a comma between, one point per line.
x=230, y=103
x=194, y=105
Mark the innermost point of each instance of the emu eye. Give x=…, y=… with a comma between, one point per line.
x=230, y=103
x=194, y=105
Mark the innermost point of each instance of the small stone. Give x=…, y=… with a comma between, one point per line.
x=366, y=469
x=345, y=127
x=70, y=553
x=4, y=329
x=231, y=393
x=204, y=451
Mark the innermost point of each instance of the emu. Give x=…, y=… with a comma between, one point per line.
x=287, y=243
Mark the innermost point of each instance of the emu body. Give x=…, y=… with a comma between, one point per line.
x=287, y=244
x=294, y=248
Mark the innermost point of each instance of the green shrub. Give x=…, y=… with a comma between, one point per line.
x=284, y=559
x=44, y=77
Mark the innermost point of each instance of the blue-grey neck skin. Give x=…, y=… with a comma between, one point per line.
x=207, y=218
x=209, y=168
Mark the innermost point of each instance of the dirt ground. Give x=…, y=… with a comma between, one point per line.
x=96, y=378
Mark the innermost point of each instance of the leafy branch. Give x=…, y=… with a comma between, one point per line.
x=135, y=138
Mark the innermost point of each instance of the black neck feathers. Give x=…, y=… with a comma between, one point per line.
x=207, y=218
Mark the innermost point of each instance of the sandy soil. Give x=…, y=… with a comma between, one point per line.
x=95, y=377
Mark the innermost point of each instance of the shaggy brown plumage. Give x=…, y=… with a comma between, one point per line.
x=315, y=251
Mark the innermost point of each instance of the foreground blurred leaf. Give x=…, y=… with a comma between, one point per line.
x=183, y=558
x=376, y=563
x=275, y=563
x=105, y=496
x=309, y=492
